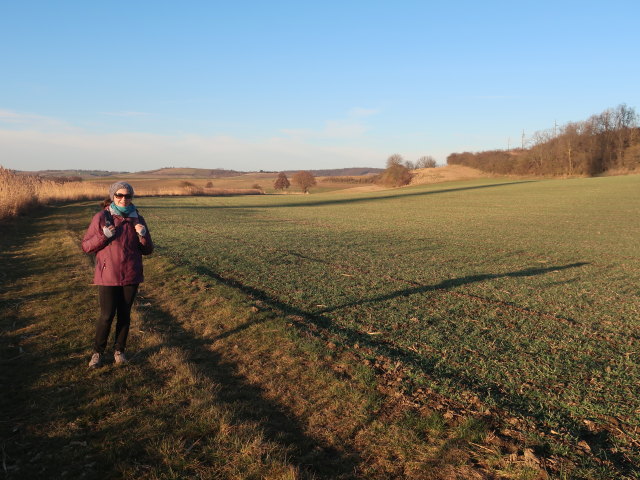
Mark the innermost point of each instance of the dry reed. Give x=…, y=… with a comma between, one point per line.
x=21, y=193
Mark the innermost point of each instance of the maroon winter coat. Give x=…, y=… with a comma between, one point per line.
x=119, y=258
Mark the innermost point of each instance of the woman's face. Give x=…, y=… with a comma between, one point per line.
x=120, y=198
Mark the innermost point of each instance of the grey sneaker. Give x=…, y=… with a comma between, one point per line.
x=96, y=361
x=119, y=358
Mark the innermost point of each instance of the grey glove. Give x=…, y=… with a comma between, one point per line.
x=107, y=233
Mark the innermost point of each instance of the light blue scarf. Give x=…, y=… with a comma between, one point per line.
x=123, y=211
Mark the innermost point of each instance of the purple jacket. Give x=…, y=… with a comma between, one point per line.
x=119, y=258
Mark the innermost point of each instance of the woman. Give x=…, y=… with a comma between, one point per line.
x=119, y=237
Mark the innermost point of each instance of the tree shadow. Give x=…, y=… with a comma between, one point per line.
x=320, y=324
x=457, y=282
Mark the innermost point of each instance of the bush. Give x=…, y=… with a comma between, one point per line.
x=396, y=175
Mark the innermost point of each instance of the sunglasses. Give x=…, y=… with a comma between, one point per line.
x=128, y=196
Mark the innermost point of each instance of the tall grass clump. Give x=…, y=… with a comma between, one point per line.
x=21, y=193
x=16, y=195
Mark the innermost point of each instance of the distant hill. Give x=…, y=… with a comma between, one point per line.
x=85, y=174
x=171, y=172
x=191, y=172
x=219, y=172
x=341, y=172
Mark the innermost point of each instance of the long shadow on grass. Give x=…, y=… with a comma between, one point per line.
x=457, y=282
x=345, y=201
x=604, y=446
x=29, y=407
x=27, y=356
x=248, y=403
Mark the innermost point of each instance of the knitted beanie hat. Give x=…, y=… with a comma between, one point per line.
x=117, y=186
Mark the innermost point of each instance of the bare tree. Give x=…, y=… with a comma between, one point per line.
x=625, y=119
x=395, y=159
x=600, y=143
x=426, y=161
x=282, y=182
x=304, y=180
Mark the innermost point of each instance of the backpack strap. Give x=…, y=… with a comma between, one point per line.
x=108, y=218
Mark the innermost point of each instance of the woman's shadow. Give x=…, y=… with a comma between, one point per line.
x=246, y=402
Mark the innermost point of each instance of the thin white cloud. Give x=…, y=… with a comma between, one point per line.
x=32, y=121
x=34, y=150
x=333, y=129
x=34, y=142
x=126, y=114
x=9, y=116
x=362, y=112
x=495, y=97
x=351, y=127
x=344, y=129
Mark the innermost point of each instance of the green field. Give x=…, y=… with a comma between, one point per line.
x=520, y=295
x=470, y=330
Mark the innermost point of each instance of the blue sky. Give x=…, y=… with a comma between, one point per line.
x=277, y=85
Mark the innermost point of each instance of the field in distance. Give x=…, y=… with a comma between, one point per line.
x=174, y=180
x=515, y=297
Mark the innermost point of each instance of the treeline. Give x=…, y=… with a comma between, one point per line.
x=64, y=179
x=605, y=142
x=49, y=177
x=83, y=174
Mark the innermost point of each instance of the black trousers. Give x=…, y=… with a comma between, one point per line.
x=114, y=300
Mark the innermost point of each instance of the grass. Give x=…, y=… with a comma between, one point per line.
x=473, y=330
x=219, y=386
x=518, y=295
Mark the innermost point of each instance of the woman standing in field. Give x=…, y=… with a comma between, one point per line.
x=119, y=237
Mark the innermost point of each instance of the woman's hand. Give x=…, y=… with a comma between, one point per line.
x=109, y=231
x=142, y=231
